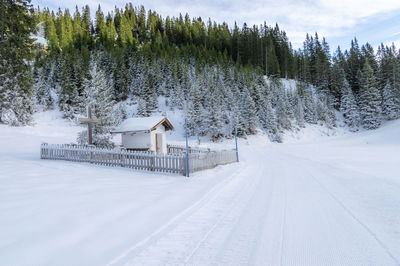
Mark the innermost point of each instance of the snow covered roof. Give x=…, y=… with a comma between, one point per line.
x=143, y=124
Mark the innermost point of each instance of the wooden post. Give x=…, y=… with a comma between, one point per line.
x=237, y=152
x=89, y=113
x=266, y=59
x=89, y=121
x=187, y=150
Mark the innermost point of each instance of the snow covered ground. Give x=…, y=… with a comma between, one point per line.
x=316, y=200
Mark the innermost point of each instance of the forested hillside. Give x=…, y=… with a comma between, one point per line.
x=213, y=73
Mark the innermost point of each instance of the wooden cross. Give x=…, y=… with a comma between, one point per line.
x=89, y=121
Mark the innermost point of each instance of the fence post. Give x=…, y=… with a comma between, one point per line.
x=237, y=152
x=187, y=150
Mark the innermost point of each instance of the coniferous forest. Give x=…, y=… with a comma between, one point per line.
x=219, y=77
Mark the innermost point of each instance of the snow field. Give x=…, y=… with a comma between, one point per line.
x=314, y=201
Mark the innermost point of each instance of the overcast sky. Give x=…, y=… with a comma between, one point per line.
x=372, y=21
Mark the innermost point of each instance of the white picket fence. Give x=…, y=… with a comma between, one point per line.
x=131, y=159
x=169, y=163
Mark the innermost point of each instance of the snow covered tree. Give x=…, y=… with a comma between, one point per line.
x=177, y=97
x=120, y=77
x=42, y=90
x=215, y=119
x=283, y=114
x=98, y=95
x=120, y=113
x=136, y=75
x=299, y=111
x=148, y=94
x=69, y=98
x=16, y=106
x=268, y=120
x=370, y=99
x=248, y=112
x=195, y=109
x=307, y=96
x=324, y=113
x=390, y=103
x=349, y=108
x=142, y=108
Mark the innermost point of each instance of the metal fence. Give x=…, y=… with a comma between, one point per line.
x=175, y=162
x=202, y=161
x=176, y=149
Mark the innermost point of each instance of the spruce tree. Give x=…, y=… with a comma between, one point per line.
x=248, y=112
x=307, y=96
x=299, y=111
x=370, y=99
x=16, y=88
x=390, y=103
x=216, y=127
x=349, y=108
x=69, y=98
x=194, y=108
x=282, y=110
x=98, y=95
x=42, y=90
x=268, y=120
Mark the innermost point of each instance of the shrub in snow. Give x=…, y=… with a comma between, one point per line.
x=101, y=141
x=8, y=117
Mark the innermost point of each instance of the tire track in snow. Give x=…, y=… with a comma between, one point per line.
x=343, y=206
x=282, y=247
x=209, y=196
x=349, y=212
x=183, y=240
x=231, y=241
x=231, y=215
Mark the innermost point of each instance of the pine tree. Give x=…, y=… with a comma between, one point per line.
x=98, y=95
x=16, y=88
x=216, y=127
x=370, y=99
x=282, y=110
x=148, y=93
x=349, y=108
x=390, y=103
x=248, y=113
x=69, y=98
x=142, y=108
x=42, y=90
x=299, y=111
x=306, y=94
x=324, y=113
x=195, y=109
x=268, y=120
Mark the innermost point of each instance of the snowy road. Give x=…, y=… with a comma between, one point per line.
x=268, y=214
x=331, y=201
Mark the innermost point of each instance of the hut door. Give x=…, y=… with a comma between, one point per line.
x=158, y=142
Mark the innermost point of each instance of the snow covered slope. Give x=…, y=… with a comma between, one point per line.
x=316, y=201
